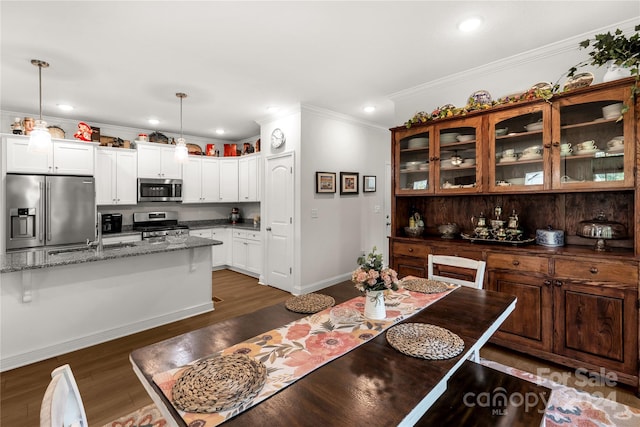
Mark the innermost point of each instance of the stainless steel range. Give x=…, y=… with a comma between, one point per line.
x=156, y=225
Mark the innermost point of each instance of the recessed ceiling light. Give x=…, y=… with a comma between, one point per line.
x=369, y=109
x=154, y=121
x=65, y=107
x=220, y=131
x=470, y=24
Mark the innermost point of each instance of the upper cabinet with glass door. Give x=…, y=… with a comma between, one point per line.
x=412, y=155
x=593, y=144
x=458, y=156
x=519, y=142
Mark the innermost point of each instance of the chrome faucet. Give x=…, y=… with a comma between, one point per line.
x=98, y=241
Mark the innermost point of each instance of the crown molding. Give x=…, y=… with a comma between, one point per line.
x=330, y=114
x=530, y=56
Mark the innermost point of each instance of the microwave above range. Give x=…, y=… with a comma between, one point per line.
x=159, y=190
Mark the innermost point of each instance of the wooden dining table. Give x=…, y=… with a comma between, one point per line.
x=371, y=385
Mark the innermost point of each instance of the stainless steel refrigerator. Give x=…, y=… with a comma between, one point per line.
x=45, y=210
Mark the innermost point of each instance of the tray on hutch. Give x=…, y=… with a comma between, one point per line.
x=506, y=241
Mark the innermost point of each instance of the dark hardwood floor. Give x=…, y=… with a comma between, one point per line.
x=110, y=389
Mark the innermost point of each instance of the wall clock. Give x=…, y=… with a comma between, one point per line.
x=277, y=138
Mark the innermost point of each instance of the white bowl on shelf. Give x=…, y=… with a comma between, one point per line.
x=413, y=166
x=531, y=127
x=612, y=111
x=465, y=138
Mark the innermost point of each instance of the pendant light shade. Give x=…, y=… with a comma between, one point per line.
x=182, y=153
x=39, y=138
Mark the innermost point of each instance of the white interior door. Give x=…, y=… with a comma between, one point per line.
x=279, y=193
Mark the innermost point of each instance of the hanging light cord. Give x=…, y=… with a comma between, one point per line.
x=181, y=96
x=40, y=64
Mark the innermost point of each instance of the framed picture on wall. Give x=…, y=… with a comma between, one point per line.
x=349, y=182
x=325, y=182
x=368, y=184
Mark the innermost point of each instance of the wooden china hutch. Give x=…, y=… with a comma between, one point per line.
x=576, y=306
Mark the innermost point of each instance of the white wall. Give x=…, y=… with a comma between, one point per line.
x=510, y=75
x=326, y=248
x=346, y=225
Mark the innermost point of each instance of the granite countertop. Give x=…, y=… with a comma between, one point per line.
x=219, y=223
x=43, y=258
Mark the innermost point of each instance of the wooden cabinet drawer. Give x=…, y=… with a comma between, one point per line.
x=596, y=270
x=464, y=253
x=517, y=262
x=410, y=249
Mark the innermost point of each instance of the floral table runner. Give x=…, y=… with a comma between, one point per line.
x=292, y=351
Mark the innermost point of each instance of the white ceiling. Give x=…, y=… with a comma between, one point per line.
x=122, y=62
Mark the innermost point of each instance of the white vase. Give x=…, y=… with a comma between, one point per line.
x=374, y=305
x=615, y=72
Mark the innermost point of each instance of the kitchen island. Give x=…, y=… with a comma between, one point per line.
x=56, y=301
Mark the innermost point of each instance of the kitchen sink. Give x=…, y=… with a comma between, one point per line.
x=120, y=245
x=70, y=250
x=86, y=249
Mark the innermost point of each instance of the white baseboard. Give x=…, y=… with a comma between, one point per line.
x=19, y=360
x=313, y=287
x=241, y=271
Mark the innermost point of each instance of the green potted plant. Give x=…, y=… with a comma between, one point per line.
x=616, y=50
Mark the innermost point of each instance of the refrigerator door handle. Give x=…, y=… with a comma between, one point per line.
x=48, y=211
x=40, y=215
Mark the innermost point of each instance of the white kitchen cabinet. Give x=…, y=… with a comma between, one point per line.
x=201, y=180
x=63, y=157
x=228, y=180
x=157, y=161
x=219, y=253
x=248, y=168
x=247, y=250
x=116, y=176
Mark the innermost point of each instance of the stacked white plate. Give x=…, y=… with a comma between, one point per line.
x=508, y=159
x=446, y=138
x=420, y=142
x=531, y=157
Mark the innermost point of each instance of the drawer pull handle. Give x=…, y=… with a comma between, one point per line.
x=547, y=282
x=593, y=270
x=557, y=283
x=410, y=249
x=515, y=262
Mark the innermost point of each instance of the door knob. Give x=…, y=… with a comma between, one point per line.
x=268, y=228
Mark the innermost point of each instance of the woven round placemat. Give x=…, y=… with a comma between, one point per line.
x=309, y=303
x=219, y=383
x=425, y=341
x=426, y=286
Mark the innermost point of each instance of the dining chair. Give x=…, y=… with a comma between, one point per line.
x=62, y=404
x=476, y=267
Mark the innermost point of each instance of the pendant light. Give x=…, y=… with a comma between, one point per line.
x=39, y=138
x=182, y=153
